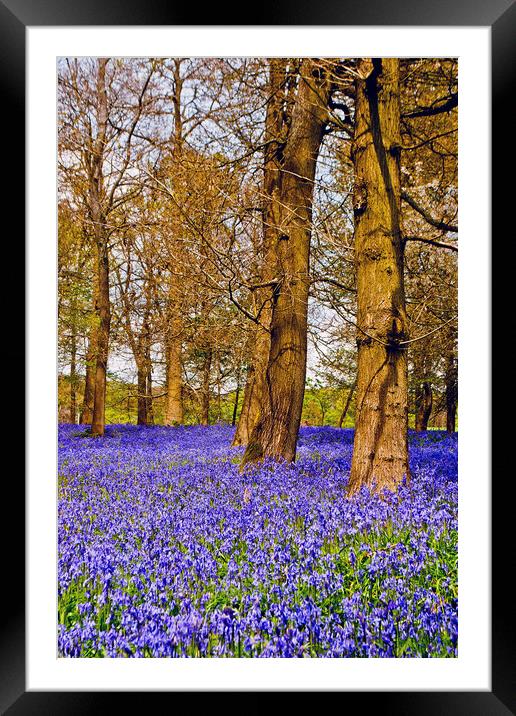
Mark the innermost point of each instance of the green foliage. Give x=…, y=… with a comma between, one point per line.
x=323, y=405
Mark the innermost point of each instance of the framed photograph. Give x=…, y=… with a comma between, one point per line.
x=479, y=678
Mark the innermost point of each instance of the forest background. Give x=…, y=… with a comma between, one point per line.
x=182, y=201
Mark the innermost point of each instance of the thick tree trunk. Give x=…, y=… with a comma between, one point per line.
x=346, y=407
x=380, y=453
x=255, y=395
x=276, y=431
x=101, y=239
x=451, y=393
x=205, y=392
x=423, y=406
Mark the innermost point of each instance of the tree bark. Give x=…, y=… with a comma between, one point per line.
x=423, y=406
x=174, y=406
x=148, y=389
x=101, y=240
x=219, y=388
x=174, y=411
x=104, y=312
x=244, y=421
x=255, y=389
x=451, y=393
x=73, y=373
x=142, y=396
x=90, y=360
x=276, y=431
x=380, y=453
x=237, y=395
x=89, y=386
x=205, y=396
x=255, y=394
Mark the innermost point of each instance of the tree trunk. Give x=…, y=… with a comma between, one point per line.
x=148, y=389
x=255, y=395
x=451, y=393
x=174, y=405
x=255, y=389
x=219, y=388
x=101, y=239
x=73, y=373
x=380, y=453
x=104, y=311
x=89, y=387
x=205, y=397
x=423, y=406
x=346, y=407
x=90, y=359
x=237, y=395
x=276, y=431
x=244, y=422
x=142, y=396
x=174, y=411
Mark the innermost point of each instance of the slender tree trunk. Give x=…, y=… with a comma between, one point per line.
x=237, y=395
x=244, y=422
x=219, y=388
x=89, y=387
x=255, y=390
x=141, y=352
x=451, y=393
x=148, y=390
x=174, y=411
x=142, y=395
x=73, y=375
x=90, y=359
x=423, y=406
x=276, y=431
x=255, y=394
x=380, y=453
x=104, y=311
x=174, y=404
x=346, y=407
x=101, y=239
x=73, y=364
x=205, y=396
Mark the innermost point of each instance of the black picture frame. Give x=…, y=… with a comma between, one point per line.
x=15, y=17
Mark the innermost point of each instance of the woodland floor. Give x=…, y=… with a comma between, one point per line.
x=167, y=550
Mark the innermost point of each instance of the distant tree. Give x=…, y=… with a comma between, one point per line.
x=99, y=118
x=74, y=298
